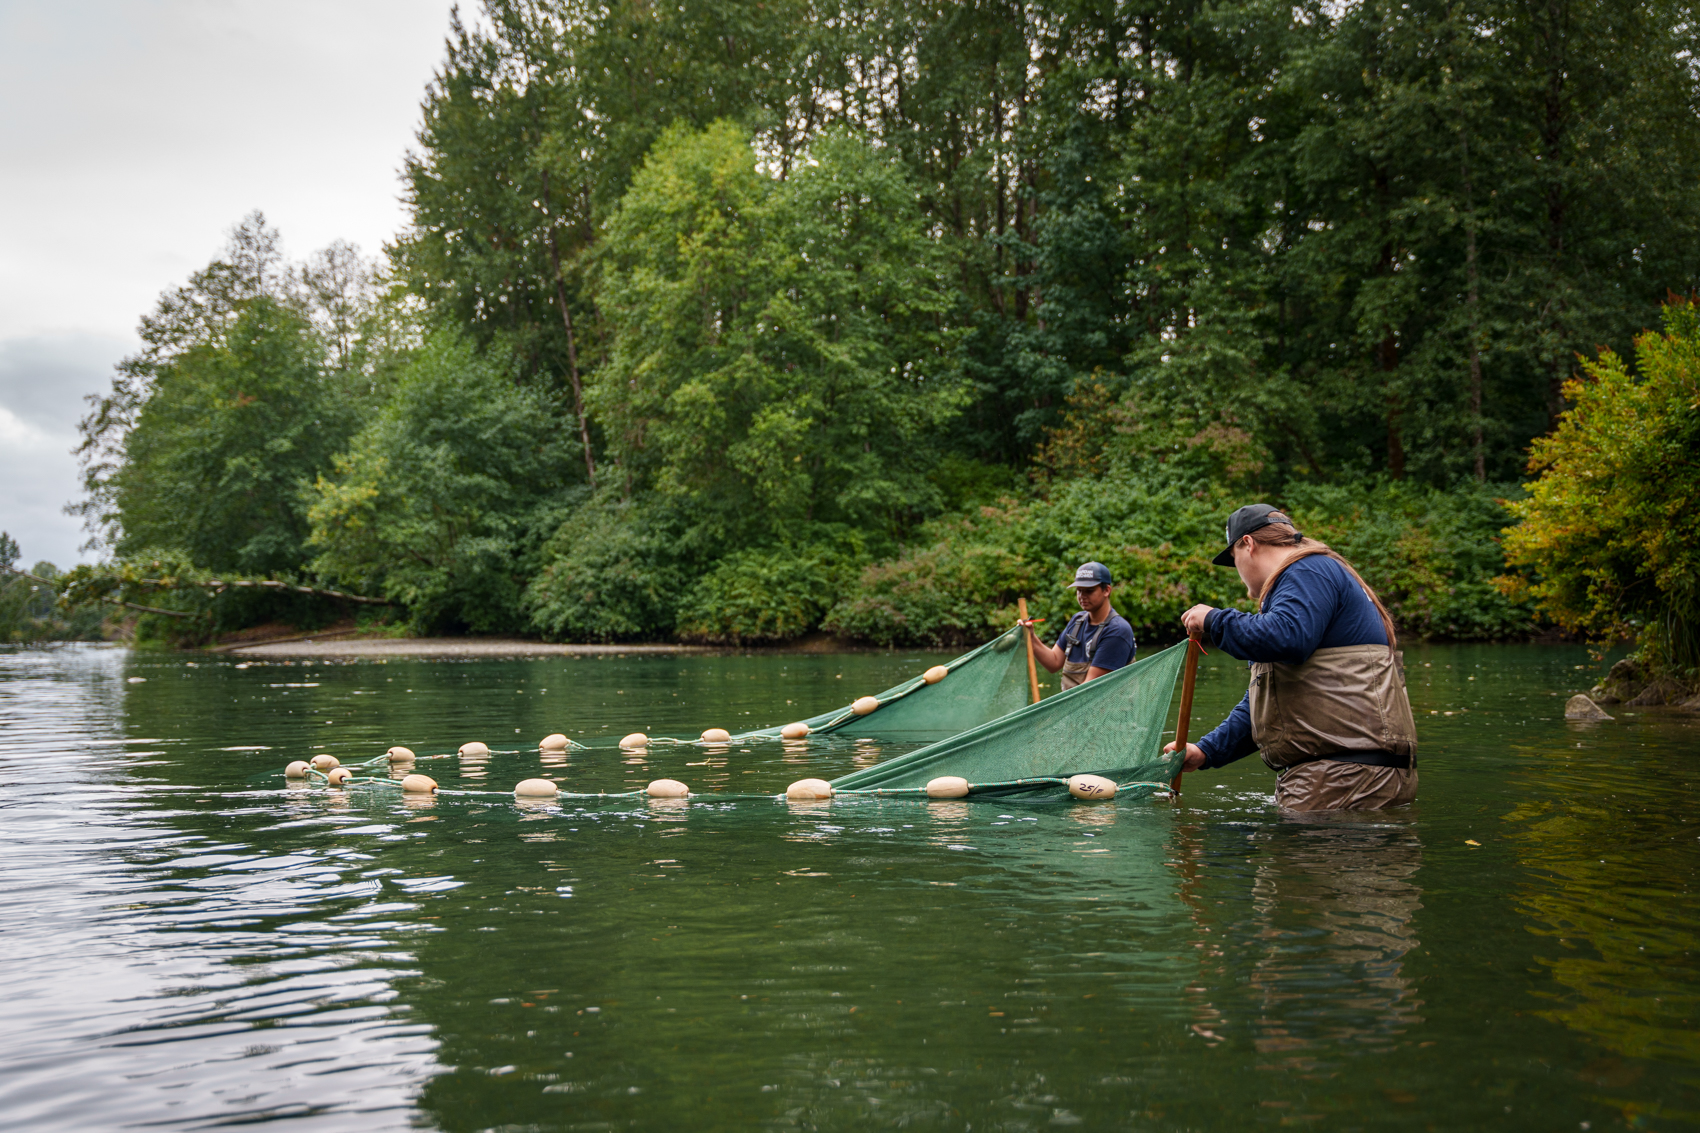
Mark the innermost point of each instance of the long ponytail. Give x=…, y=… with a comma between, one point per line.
x=1285, y=535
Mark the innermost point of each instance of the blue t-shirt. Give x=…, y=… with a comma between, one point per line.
x=1316, y=604
x=1111, y=641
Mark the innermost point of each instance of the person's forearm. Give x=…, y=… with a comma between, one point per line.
x=1047, y=655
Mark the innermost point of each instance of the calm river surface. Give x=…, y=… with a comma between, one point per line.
x=189, y=943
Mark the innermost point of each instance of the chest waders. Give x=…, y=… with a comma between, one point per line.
x=1338, y=728
x=1074, y=672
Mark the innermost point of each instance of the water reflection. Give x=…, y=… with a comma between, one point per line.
x=207, y=943
x=1330, y=916
x=1611, y=934
x=474, y=767
x=1095, y=815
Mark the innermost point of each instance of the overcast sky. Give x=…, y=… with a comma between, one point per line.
x=133, y=134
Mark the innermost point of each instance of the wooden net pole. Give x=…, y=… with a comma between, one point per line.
x=1032, y=673
x=1189, y=678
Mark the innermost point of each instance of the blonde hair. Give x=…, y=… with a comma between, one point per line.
x=1285, y=535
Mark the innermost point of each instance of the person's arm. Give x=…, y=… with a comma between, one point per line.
x=1288, y=629
x=1047, y=655
x=1228, y=741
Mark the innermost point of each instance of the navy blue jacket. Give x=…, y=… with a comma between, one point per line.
x=1316, y=604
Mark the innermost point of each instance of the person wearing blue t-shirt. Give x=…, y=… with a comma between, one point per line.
x=1095, y=641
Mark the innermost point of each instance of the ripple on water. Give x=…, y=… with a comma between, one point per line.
x=150, y=974
x=190, y=942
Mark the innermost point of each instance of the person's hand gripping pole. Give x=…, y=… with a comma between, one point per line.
x=1028, y=623
x=1194, y=757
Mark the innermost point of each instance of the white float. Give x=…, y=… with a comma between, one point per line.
x=666, y=789
x=296, y=770
x=339, y=776
x=865, y=705
x=536, y=789
x=1091, y=787
x=325, y=762
x=419, y=785
x=935, y=674
x=556, y=742
x=634, y=741
x=474, y=748
x=947, y=787
x=796, y=731
x=400, y=754
x=716, y=736
x=809, y=789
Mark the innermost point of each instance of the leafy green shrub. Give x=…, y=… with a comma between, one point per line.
x=962, y=585
x=958, y=586
x=1432, y=555
x=611, y=571
x=765, y=594
x=1610, y=537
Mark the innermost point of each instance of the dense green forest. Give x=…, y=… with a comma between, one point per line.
x=736, y=321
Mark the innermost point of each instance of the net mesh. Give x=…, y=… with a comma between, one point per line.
x=983, y=684
x=1110, y=726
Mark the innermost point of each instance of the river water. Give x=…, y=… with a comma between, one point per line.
x=189, y=943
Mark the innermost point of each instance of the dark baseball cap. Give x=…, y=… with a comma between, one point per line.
x=1090, y=575
x=1243, y=522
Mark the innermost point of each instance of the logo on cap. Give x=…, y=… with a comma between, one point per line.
x=1090, y=575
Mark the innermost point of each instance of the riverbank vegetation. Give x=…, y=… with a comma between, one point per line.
x=1610, y=532
x=736, y=322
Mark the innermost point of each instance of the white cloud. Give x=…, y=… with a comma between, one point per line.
x=43, y=381
x=134, y=134
x=35, y=465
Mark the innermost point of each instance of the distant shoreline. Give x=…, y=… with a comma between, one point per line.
x=470, y=647
x=335, y=645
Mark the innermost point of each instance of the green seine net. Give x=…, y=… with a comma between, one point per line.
x=1111, y=726
x=984, y=684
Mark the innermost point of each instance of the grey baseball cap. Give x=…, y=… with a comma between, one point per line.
x=1090, y=575
x=1243, y=522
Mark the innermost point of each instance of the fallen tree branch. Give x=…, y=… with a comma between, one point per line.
x=48, y=582
x=31, y=577
x=218, y=586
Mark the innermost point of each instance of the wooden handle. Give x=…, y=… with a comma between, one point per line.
x=1027, y=635
x=1189, y=678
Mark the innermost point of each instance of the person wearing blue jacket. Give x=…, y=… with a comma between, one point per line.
x=1327, y=706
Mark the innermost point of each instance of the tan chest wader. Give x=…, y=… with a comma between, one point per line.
x=1337, y=727
x=1074, y=672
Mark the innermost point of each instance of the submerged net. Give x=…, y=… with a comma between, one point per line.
x=1111, y=726
x=982, y=685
